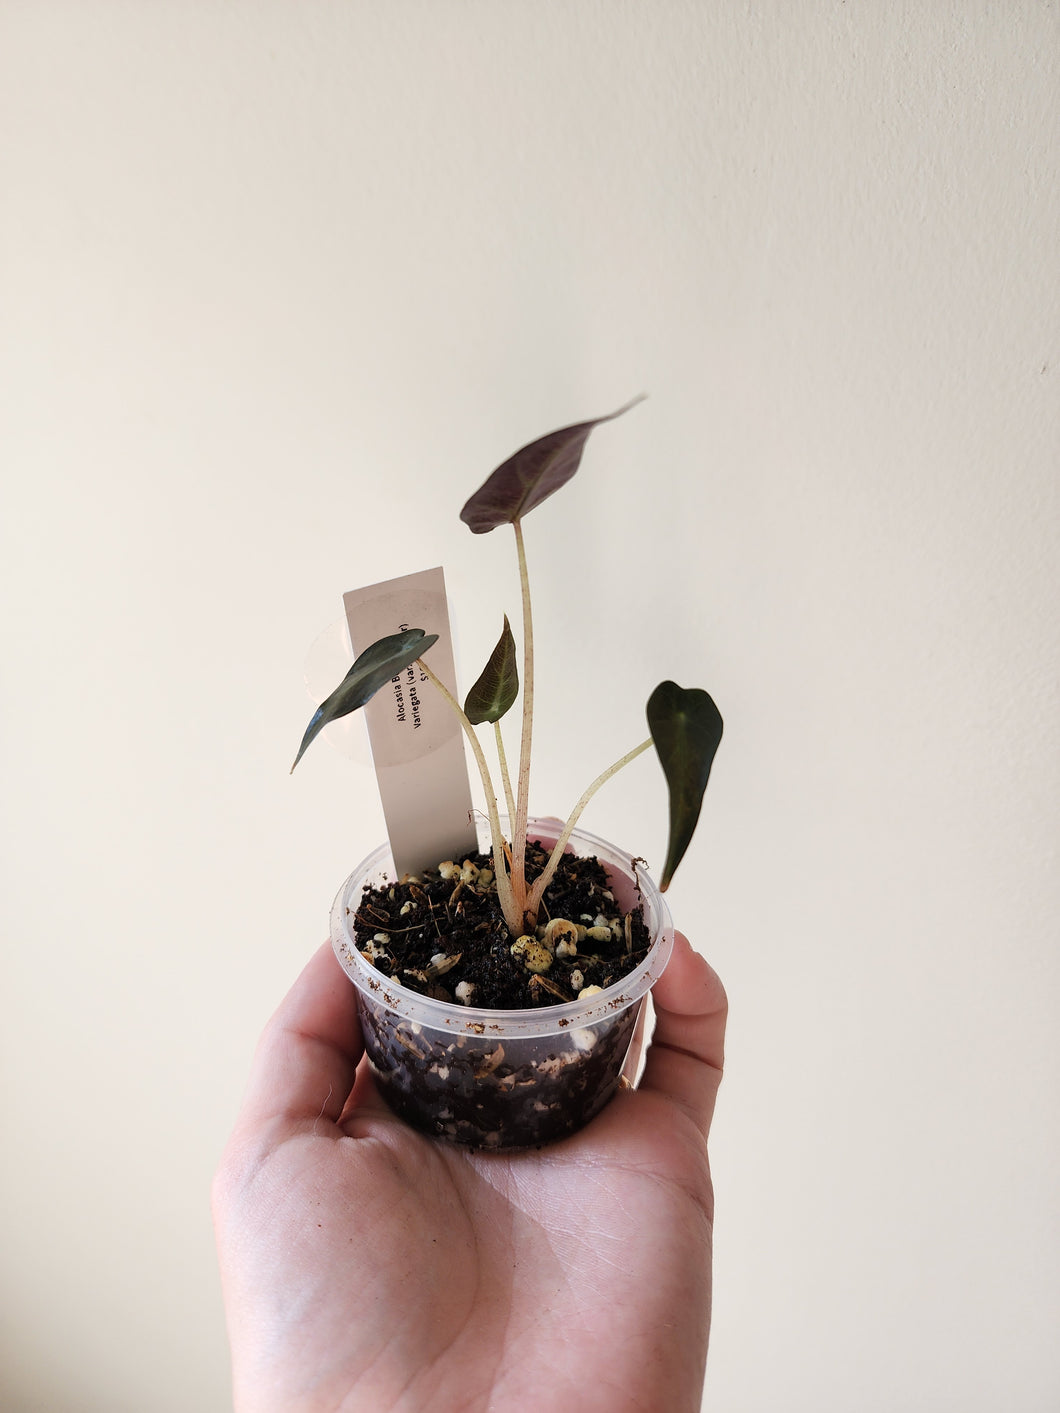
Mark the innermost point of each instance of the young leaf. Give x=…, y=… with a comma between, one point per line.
x=372, y=670
x=531, y=475
x=498, y=686
x=686, y=727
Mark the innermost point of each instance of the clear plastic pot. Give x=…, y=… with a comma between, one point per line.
x=492, y=1078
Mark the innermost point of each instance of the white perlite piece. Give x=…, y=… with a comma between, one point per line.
x=560, y=936
x=533, y=954
x=559, y=929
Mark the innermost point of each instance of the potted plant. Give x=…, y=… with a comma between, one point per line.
x=499, y=992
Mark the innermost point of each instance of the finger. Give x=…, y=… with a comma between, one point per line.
x=687, y=1050
x=365, y=1107
x=306, y=1059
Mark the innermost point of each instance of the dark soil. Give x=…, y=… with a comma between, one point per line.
x=497, y=1095
x=445, y=936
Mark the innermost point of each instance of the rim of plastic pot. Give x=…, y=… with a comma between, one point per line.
x=498, y=1024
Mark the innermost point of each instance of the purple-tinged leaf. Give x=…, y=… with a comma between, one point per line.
x=498, y=686
x=372, y=670
x=534, y=473
x=686, y=728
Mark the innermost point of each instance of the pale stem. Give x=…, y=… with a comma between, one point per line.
x=522, y=808
x=509, y=798
x=538, y=890
x=511, y=908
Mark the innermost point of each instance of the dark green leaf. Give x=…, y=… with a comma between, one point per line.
x=531, y=475
x=686, y=727
x=372, y=670
x=498, y=687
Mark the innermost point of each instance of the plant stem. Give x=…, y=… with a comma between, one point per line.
x=538, y=890
x=512, y=905
x=522, y=808
x=506, y=779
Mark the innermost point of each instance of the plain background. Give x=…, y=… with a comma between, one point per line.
x=281, y=283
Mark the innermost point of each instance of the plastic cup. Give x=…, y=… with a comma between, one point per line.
x=499, y=1079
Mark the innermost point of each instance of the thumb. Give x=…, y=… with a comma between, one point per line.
x=687, y=1050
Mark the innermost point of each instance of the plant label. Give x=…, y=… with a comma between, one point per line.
x=417, y=744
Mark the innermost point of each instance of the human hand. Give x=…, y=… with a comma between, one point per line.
x=367, y=1267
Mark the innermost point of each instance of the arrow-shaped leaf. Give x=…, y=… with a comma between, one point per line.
x=372, y=670
x=530, y=476
x=686, y=727
x=498, y=686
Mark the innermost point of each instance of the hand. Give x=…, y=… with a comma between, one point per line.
x=366, y=1267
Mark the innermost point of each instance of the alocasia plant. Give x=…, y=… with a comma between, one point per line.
x=684, y=724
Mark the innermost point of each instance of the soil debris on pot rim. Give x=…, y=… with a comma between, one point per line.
x=442, y=933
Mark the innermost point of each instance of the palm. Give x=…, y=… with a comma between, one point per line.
x=381, y=1270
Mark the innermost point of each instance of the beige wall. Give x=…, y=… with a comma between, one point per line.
x=280, y=284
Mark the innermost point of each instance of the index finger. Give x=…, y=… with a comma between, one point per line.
x=687, y=1050
x=308, y=1053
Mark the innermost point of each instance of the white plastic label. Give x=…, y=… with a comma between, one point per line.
x=416, y=738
